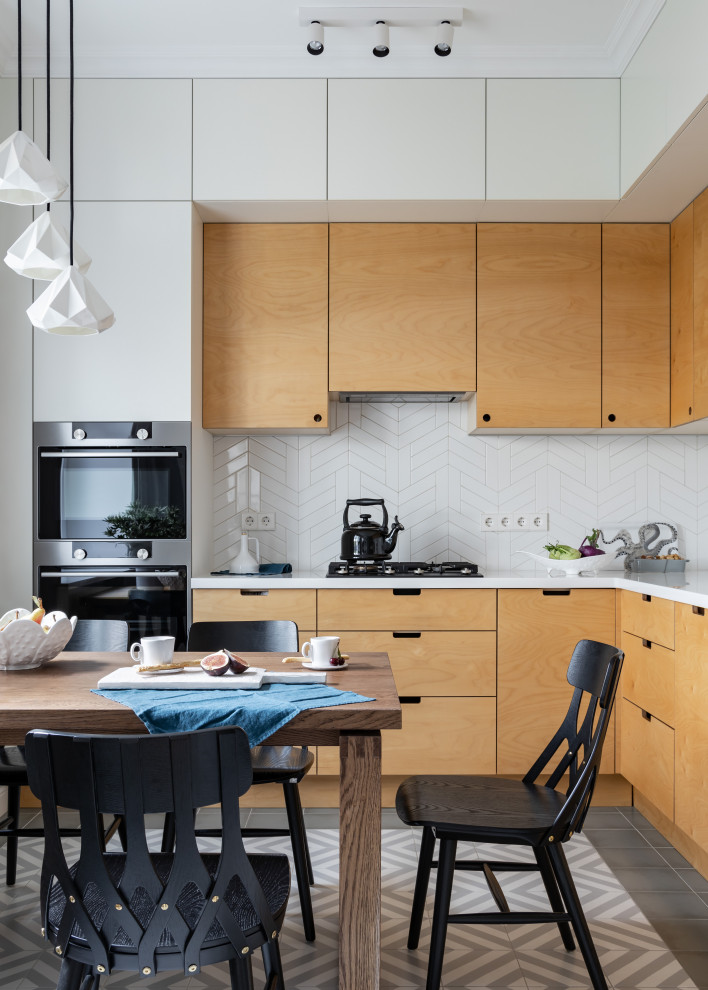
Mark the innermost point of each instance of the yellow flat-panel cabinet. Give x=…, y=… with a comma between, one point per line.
x=700, y=306
x=265, y=327
x=539, y=325
x=682, y=318
x=402, y=307
x=635, y=325
x=692, y=722
x=537, y=631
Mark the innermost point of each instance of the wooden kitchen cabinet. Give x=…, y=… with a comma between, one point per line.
x=648, y=756
x=402, y=307
x=691, y=814
x=539, y=325
x=265, y=327
x=537, y=632
x=636, y=329
x=442, y=647
x=243, y=604
x=682, y=318
x=648, y=617
x=700, y=306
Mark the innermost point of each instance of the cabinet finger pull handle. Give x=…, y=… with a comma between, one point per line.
x=406, y=591
x=253, y=591
x=406, y=635
x=556, y=591
x=647, y=643
x=646, y=598
x=698, y=610
x=409, y=699
x=646, y=716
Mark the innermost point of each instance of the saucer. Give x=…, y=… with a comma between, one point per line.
x=308, y=663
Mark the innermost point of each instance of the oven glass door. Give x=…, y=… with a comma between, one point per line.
x=153, y=602
x=112, y=494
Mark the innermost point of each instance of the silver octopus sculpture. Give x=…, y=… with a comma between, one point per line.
x=648, y=544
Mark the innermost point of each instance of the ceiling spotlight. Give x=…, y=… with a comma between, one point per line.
x=315, y=45
x=443, y=44
x=381, y=48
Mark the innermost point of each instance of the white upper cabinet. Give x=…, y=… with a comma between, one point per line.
x=140, y=368
x=260, y=139
x=132, y=137
x=406, y=139
x=553, y=139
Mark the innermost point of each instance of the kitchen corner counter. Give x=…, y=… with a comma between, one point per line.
x=689, y=587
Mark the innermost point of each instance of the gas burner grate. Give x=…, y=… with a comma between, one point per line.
x=399, y=568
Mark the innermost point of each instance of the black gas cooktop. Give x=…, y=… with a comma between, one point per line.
x=402, y=568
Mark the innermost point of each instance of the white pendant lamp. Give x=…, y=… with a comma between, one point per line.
x=42, y=251
x=27, y=177
x=70, y=305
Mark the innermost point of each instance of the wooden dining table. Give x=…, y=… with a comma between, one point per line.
x=58, y=696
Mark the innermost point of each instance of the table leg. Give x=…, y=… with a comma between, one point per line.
x=360, y=861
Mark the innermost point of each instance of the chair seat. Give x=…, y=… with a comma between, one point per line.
x=492, y=808
x=273, y=873
x=13, y=769
x=276, y=764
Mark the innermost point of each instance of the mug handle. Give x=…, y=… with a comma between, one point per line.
x=135, y=656
x=306, y=649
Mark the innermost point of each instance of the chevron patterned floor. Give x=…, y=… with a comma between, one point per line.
x=633, y=955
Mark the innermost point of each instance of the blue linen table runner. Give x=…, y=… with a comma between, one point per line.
x=259, y=713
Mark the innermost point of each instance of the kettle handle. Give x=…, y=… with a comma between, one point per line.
x=365, y=501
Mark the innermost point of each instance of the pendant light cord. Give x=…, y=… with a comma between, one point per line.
x=49, y=102
x=19, y=65
x=71, y=131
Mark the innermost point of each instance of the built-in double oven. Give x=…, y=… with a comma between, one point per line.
x=112, y=534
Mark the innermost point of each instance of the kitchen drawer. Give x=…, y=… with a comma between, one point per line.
x=647, y=759
x=407, y=609
x=692, y=722
x=648, y=676
x=648, y=617
x=233, y=604
x=433, y=663
x=439, y=735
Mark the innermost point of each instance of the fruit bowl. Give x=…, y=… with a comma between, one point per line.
x=572, y=568
x=24, y=644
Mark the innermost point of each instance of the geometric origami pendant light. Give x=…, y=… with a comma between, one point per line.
x=42, y=251
x=70, y=304
x=27, y=177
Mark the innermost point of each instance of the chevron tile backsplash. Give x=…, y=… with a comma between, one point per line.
x=439, y=480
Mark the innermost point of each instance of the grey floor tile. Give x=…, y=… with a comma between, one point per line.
x=639, y=878
x=687, y=934
x=694, y=879
x=389, y=819
x=635, y=817
x=322, y=817
x=673, y=857
x=623, y=857
x=616, y=838
x=670, y=904
x=696, y=965
x=605, y=818
x=267, y=818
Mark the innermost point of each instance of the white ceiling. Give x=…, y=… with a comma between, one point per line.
x=263, y=38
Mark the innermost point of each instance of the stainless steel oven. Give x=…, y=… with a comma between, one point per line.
x=112, y=535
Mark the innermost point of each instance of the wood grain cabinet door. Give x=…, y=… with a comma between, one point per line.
x=682, y=317
x=635, y=324
x=265, y=326
x=692, y=722
x=536, y=636
x=538, y=325
x=402, y=307
x=700, y=306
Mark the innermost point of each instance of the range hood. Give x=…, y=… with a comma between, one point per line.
x=403, y=396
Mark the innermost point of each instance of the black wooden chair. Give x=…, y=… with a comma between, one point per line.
x=518, y=812
x=151, y=912
x=104, y=635
x=285, y=765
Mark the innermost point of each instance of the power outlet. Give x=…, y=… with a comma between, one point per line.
x=539, y=521
x=266, y=520
x=489, y=522
x=510, y=522
x=249, y=520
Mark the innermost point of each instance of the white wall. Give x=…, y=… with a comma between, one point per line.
x=15, y=388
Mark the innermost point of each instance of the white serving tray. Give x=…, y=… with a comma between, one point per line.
x=195, y=679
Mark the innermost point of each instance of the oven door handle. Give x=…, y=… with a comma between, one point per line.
x=80, y=573
x=110, y=453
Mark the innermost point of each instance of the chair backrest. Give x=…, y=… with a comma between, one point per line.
x=593, y=673
x=263, y=636
x=141, y=893
x=99, y=635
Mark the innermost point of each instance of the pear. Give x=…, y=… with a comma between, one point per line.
x=38, y=613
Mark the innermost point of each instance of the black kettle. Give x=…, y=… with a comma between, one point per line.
x=365, y=540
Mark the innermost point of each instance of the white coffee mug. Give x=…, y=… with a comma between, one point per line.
x=153, y=650
x=320, y=649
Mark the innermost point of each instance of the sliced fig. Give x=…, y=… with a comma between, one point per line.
x=215, y=664
x=238, y=666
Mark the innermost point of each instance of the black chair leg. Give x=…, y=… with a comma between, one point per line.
x=293, y=808
x=71, y=974
x=13, y=812
x=443, y=894
x=577, y=916
x=427, y=848
x=554, y=897
x=241, y=973
x=273, y=966
x=310, y=874
x=168, y=833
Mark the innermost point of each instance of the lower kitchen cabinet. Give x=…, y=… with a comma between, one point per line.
x=538, y=630
x=648, y=617
x=691, y=814
x=242, y=604
x=442, y=647
x=648, y=756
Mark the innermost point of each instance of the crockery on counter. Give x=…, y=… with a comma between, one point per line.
x=572, y=567
x=364, y=540
x=320, y=650
x=26, y=644
x=153, y=651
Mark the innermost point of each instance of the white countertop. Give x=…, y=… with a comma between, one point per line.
x=689, y=587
